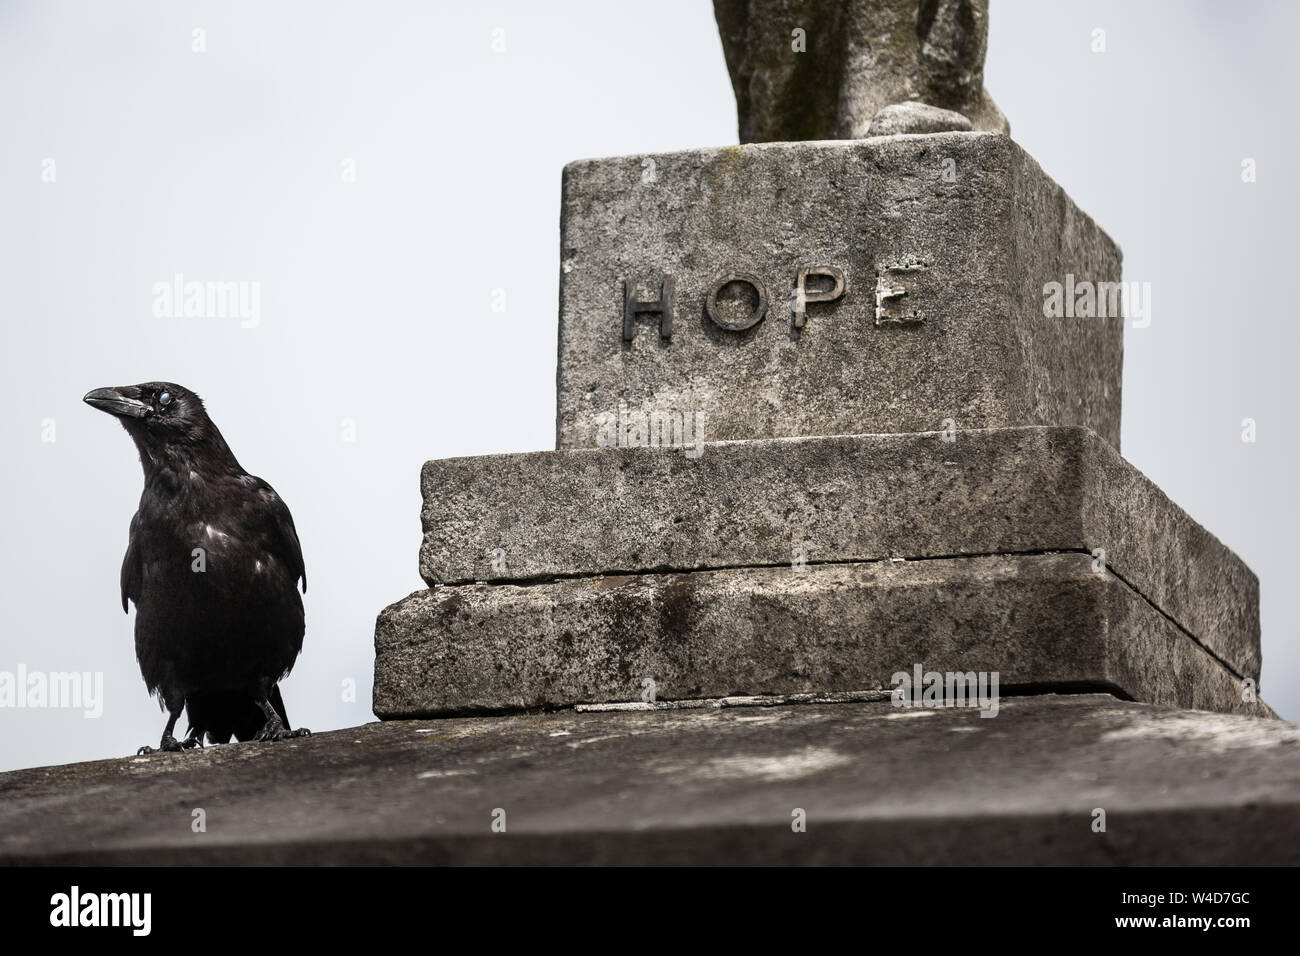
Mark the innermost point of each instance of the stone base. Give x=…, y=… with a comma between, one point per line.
x=533, y=518
x=1038, y=621
x=878, y=785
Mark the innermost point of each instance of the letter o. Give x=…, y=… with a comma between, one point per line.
x=711, y=303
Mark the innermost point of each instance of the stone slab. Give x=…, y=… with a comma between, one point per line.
x=879, y=786
x=529, y=517
x=1049, y=620
x=945, y=243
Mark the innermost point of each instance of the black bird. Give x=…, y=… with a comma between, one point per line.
x=213, y=565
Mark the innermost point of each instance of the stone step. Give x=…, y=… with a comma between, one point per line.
x=1033, y=621
x=876, y=785
x=924, y=263
x=775, y=502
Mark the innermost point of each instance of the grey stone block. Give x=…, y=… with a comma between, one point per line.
x=880, y=786
x=537, y=516
x=1036, y=620
x=943, y=244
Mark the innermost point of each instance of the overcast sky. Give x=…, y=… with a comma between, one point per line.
x=377, y=294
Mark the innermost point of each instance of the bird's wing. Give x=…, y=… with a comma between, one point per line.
x=284, y=537
x=131, y=571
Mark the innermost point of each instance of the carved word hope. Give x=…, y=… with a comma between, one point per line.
x=666, y=303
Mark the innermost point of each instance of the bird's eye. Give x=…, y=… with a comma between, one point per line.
x=165, y=398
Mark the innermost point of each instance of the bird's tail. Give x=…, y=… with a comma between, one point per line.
x=222, y=715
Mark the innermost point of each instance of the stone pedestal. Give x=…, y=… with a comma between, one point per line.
x=815, y=430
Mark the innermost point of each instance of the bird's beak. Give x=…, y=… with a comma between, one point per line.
x=113, y=401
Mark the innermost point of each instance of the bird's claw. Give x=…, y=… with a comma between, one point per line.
x=274, y=730
x=168, y=744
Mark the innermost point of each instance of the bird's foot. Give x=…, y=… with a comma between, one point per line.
x=276, y=730
x=193, y=743
x=169, y=744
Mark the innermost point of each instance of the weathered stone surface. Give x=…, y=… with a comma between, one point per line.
x=808, y=69
x=879, y=785
x=944, y=244
x=916, y=118
x=849, y=498
x=1034, y=619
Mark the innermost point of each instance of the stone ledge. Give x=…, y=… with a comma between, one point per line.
x=879, y=785
x=844, y=498
x=1037, y=620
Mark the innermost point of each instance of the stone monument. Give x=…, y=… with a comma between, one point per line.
x=816, y=427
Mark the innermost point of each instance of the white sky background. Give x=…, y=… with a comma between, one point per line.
x=376, y=295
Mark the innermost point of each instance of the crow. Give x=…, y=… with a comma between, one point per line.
x=212, y=564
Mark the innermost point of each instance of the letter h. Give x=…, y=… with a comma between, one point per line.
x=632, y=307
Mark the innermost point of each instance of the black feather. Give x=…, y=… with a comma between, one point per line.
x=212, y=564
